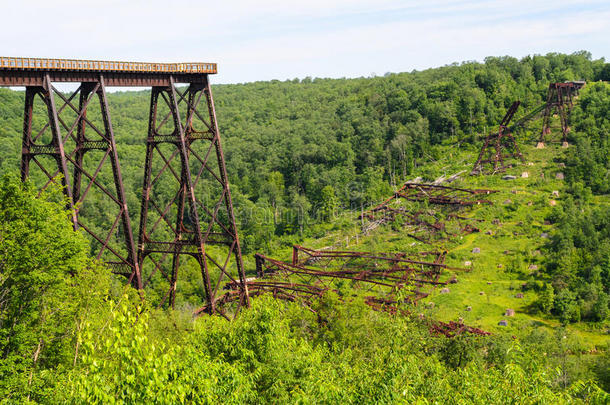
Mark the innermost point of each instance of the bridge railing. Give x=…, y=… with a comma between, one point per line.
x=111, y=66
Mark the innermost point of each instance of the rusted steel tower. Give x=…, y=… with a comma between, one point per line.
x=499, y=146
x=560, y=101
x=183, y=147
x=186, y=206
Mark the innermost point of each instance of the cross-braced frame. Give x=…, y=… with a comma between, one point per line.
x=76, y=143
x=186, y=201
x=559, y=101
x=499, y=147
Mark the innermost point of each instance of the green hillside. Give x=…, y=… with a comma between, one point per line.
x=305, y=159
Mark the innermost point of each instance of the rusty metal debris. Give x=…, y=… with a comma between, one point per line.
x=451, y=329
x=282, y=290
x=448, y=329
x=325, y=257
x=385, y=305
x=386, y=278
x=442, y=195
x=392, y=277
x=425, y=224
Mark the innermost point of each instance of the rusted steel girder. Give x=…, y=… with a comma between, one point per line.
x=298, y=281
x=422, y=267
x=499, y=146
x=305, y=294
x=421, y=225
x=442, y=195
x=33, y=71
x=282, y=290
x=424, y=225
x=113, y=79
x=353, y=259
x=435, y=195
x=382, y=273
x=268, y=267
x=76, y=141
x=391, y=306
x=451, y=329
x=387, y=270
x=186, y=201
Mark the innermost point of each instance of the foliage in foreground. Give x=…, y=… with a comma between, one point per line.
x=48, y=287
x=68, y=336
x=286, y=354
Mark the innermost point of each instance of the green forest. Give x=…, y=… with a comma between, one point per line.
x=305, y=158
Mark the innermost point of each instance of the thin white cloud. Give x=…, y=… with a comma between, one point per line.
x=408, y=45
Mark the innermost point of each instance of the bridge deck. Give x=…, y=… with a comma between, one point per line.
x=31, y=72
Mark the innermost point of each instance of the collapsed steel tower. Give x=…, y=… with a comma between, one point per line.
x=499, y=146
x=424, y=223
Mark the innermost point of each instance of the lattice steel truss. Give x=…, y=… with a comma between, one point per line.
x=367, y=264
x=559, y=101
x=196, y=218
x=78, y=138
x=499, y=147
x=282, y=290
x=390, y=277
x=442, y=195
x=186, y=207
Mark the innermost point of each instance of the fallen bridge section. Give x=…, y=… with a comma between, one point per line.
x=313, y=272
x=449, y=329
x=427, y=224
x=442, y=195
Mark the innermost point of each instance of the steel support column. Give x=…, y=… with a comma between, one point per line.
x=184, y=151
x=32, y=148
x=559, y=101
x=69, y=150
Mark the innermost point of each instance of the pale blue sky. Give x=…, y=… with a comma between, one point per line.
x=272, y=39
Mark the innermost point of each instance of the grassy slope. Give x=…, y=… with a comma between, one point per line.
x=519, y=233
